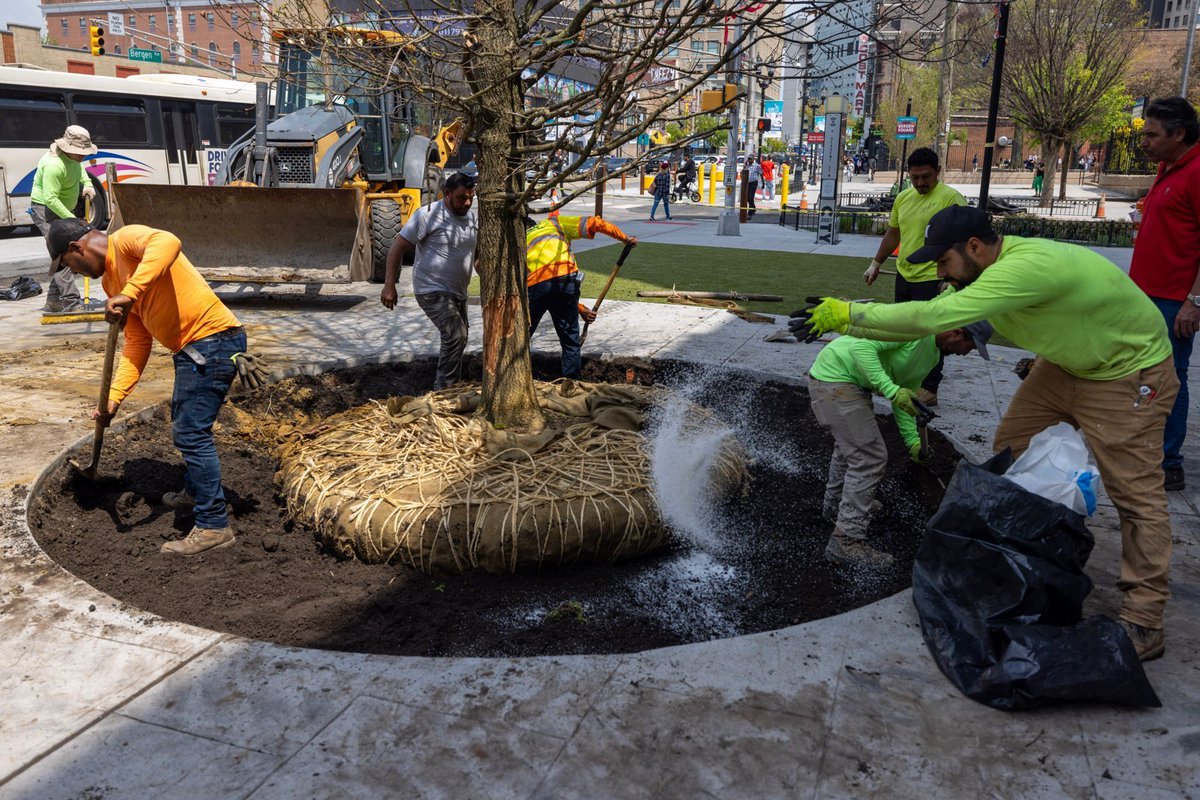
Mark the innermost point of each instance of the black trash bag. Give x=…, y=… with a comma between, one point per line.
x=999, y=586
x=21, y=288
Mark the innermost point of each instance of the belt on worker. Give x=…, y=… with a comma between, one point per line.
x=196, y=356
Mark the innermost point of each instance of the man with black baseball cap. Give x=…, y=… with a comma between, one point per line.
x=156, y=291
x=1104, y=364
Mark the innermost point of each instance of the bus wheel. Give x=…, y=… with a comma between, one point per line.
x=99, y=215
x=385, y=225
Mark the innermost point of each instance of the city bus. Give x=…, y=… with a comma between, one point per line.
x=170, y=129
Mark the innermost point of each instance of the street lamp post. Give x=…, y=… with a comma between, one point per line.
x=814, y=104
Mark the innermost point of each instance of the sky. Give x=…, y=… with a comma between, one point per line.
x=25, y=12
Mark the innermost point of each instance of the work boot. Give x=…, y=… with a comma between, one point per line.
x=200, y=540
x=1173, y=479
x=178, y=500
x=63, y=307
x=927, y=397
x=1149, y=642
x=843, y=549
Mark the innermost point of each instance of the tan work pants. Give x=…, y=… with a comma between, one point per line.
x=1125, y=436
x=859, y=453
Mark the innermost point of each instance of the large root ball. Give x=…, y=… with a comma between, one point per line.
x=425, y=482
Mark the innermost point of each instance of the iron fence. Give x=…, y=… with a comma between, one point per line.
x=1124, y=155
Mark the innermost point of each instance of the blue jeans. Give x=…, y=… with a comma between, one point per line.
x=1176, y=430
x=665, y=200
x=199, y=393
x=559, y=296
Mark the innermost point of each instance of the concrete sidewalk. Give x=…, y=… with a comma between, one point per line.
x=105, y=701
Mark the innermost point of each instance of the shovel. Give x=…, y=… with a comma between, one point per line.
x=925, y=415
x=110, y=351
x=611, y=277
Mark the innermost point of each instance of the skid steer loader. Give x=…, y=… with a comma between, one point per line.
x=318, y=193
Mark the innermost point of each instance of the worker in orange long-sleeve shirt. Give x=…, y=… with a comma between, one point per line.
x=159, y=294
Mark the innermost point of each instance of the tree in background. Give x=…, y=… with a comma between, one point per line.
x=483, y=61
x=1064, y=59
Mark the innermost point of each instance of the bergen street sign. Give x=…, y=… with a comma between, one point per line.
x=139, y=54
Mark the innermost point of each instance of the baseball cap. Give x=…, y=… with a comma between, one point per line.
x=62, y=233
x=947, y=228
x=980, y=333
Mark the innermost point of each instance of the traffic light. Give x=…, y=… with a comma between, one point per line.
x=764, y=124
x=96, y=38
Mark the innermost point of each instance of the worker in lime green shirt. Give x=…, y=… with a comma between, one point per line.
x=911, y=212
x=840, y=385
x=58, y=185
x=1104, y=364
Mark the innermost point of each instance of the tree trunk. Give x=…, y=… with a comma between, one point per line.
x=1068, y=149
x=1017, y=147
x=1051, y=146
x=508, y=397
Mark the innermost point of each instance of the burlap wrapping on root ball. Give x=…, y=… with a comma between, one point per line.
x=423, y=482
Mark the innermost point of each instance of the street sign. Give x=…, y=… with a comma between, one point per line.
x=116, y=25
x=140, y=54
x=816, y=137
x=643, y=139
x=906, y=127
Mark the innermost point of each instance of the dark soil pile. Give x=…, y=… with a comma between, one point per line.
x=764, y=571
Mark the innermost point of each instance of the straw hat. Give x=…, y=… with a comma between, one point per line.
x=76, y=141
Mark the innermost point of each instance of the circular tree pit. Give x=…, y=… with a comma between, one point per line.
x=757, y=566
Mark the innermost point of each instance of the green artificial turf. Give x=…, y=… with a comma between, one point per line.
x=658, y=267
x=795, y=276
x=717, y=269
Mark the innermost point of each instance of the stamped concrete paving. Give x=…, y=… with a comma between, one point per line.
x=101, y=700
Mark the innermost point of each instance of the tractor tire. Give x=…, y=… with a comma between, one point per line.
x=99, y=217
x=431, y=187
x=385, y=226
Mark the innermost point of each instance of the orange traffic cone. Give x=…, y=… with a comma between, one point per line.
x=804, y=198
x=1100, y=208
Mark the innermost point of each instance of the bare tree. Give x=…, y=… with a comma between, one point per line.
x=1064, y=57
x=502, y=66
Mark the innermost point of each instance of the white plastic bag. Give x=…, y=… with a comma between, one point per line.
x=1056, y=467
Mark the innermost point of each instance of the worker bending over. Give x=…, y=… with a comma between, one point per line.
x=1104, y=365
x=159, y=295
x=553, y=279
x=840, y=384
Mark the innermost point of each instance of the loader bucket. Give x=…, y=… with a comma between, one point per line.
x=252, y=235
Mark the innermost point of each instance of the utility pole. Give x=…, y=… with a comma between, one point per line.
x=1187, y=55
x=727, y=223
x=989, y=142
x=945, y=81
x=903, y=151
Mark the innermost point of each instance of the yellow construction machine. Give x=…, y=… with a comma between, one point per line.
x=316, y=192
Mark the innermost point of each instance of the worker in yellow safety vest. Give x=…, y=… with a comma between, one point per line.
x=553, y=279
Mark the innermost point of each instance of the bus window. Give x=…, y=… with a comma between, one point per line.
x=232, y=122
x=112, y=120
x=31, y=119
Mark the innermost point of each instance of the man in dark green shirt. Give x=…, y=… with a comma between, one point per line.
x=1104, y=365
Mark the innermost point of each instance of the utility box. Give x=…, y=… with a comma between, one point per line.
x=719, y=99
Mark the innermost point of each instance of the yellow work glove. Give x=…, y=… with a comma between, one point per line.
x=917, y=454
x=822, y=315
x=903, y=400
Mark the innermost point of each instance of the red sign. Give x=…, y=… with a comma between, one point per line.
x=816, y=137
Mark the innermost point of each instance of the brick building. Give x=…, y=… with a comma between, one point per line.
x=226, y=35
x=22, y=44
